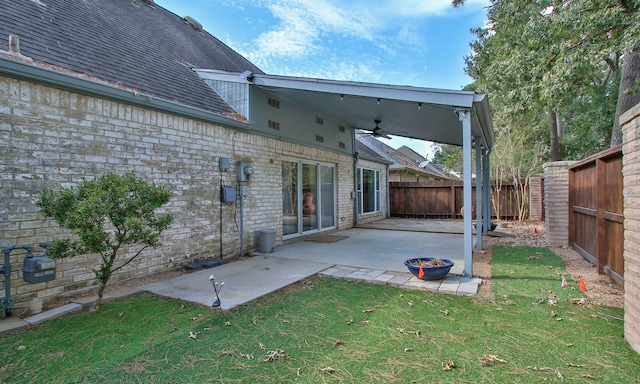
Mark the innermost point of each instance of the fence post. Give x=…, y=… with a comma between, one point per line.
x=630, y=122
x=556, y=202
x=536, y=208
x=601, y=223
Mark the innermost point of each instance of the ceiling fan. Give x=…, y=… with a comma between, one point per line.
x=377, y=131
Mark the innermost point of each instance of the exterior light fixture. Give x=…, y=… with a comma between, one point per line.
x=419, y=105
x=341, y=97
x=378, y=101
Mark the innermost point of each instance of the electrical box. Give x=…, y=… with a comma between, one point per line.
x=228, y=194
x=39, y=269
x=245, y=170
x=244, y=191
x=224, y=164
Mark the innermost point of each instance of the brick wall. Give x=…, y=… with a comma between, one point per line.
x=556, y=202
x=630, y=122
x=53, y=138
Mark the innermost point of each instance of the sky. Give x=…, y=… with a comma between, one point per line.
x=401, y=42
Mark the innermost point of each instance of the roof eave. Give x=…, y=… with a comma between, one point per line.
x=26, y=71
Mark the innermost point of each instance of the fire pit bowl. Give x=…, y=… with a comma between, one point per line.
x=432, y=268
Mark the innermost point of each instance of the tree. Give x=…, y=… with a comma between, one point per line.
x=107, y=215
x=542, y=57
x=449, y=158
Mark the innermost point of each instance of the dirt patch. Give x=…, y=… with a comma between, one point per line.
x=111, y=287
x=601, y=289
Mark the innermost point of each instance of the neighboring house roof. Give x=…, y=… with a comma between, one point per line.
x=399, y=161
x=129, y=43
x=365, y=152
x=423, y=162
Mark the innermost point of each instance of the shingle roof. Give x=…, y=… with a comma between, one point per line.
x=363, y=149
x=399, y=159
x=127, y=42
x=423, y=162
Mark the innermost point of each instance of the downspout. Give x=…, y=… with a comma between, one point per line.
x=354, y=193
x=388, y=198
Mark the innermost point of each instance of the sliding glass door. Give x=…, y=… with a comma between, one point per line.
x=308, y=197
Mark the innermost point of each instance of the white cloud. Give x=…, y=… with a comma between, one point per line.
x=304, y=35
x=425, y=149
x=347, y=70
x=301, y=24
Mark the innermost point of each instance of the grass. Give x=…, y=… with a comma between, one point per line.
x=328, y=330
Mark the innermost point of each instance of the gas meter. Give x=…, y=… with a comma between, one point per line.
x=39, y=268
x=245, y=170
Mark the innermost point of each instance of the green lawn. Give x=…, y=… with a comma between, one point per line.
x=329, y=330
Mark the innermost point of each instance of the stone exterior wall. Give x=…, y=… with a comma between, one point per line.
x=630, y=123
x=54, y=138
x=556, y=202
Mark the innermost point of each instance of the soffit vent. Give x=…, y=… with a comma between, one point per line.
x=193, y=23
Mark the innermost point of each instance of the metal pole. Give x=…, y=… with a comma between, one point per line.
x=479, y=183
x=465, y=117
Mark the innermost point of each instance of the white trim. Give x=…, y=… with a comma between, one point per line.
x=299, y=195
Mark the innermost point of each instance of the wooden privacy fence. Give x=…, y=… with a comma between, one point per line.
x=596, y=227
x=444, y=199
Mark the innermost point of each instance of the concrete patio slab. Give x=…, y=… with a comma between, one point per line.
x=11, y=324
x=371, y=255
x=379, y=249
x=245, y=280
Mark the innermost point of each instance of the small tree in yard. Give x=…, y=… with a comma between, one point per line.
x=106, y=215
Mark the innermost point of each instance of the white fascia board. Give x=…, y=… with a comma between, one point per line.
x=383, y=91
x=482, y=114
x=351, y=88
x=212, y=74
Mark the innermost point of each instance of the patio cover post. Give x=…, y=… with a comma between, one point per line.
x=487, y=191
x=465, y=117
x=479, y=184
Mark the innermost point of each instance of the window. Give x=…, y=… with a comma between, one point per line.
x=368, y=188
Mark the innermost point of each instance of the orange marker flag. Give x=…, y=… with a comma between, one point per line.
x=421, y=273
x=581, y=284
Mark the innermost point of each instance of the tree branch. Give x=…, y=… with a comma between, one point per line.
x=130, y=260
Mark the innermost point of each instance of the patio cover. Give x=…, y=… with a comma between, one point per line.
x=461, y=118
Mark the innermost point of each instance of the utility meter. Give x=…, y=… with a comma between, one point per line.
x=39, y=269
x=245, y=170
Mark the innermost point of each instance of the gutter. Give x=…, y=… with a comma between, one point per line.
x=24, y=71
x=387, y=192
